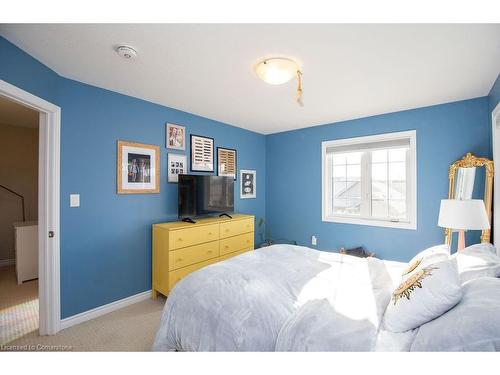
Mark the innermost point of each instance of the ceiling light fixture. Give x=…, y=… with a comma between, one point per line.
x=280, y=70
x=126, y=52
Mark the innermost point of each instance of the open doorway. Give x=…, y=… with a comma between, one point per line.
x=49, y=127
x=19, y=138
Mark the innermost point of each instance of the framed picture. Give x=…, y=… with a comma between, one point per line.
x=177, y=164
x=226, y=162
x=202, y=154
x=137, y=168
x=248, y=184
x=175, y=137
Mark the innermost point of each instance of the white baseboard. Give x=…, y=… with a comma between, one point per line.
x=104, y=309
x=7, y=262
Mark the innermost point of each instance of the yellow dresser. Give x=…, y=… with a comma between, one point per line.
x=180, y=248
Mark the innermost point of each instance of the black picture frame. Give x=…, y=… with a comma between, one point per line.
x=191, y=153
x=235, y=160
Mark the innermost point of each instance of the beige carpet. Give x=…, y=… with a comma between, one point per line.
x=129, y=329
x=18, y=306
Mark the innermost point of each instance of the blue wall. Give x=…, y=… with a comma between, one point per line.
x=293, y=194
x=21, y=70
x=106, y=243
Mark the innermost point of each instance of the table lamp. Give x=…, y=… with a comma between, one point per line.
x=461, y=215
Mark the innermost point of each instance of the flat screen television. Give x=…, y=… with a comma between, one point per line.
x=205, y=196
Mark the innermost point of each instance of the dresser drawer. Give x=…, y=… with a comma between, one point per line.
x=233, y=228
x=175, y=276
x=232, y=244
x=230, y=255
x=193, y=236
x=192, y=254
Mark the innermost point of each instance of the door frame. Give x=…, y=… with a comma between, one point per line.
x=495, y=138
x=48, y=204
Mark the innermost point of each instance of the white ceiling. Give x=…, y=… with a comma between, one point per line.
x=349, y=71
x=15, y=114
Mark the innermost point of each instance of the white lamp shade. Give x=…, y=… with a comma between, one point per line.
x=469, y=214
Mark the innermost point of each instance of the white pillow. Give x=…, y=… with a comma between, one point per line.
x=423, y=295
x=427, y=257
x=476, y=261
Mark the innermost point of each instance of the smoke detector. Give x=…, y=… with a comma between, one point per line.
x=126, y=52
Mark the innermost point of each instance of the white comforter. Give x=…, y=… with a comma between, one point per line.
x=283, y=297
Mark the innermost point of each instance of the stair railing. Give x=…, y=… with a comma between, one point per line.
x=18, y=195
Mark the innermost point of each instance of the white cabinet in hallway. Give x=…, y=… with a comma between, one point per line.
x=26, y=245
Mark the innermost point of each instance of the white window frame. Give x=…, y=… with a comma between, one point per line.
x=411, y=186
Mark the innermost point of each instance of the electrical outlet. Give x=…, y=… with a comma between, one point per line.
x=314, y=240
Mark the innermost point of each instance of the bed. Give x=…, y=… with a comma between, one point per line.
x=293, y=298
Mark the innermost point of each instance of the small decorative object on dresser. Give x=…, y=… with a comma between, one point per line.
x=180, y=248
x=137, y=168
x=202, y=154
x=175, y=137
x=177, y=164
x=248, y=181
x=226, y=162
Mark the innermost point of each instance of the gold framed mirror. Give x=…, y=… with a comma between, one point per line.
x=462, y=177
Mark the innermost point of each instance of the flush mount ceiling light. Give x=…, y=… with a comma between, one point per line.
x=280, y=70
x=126, y=52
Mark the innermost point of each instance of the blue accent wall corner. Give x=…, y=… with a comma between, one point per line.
x=445, y=133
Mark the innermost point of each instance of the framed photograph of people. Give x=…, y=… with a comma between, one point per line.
x=226, y=162
x=202, y=154
x=137, y=168
x=175, y=137
x=177, y=164
x=248, y=184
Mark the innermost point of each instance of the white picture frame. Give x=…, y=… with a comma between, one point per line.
x=248, y=184
x=176, y=165
x=175, y=137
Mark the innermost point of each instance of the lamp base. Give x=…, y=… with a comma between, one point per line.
x=461, y=240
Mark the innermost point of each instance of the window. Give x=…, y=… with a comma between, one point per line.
x=371, y=180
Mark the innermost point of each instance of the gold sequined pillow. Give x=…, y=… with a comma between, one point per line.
x=426, y=293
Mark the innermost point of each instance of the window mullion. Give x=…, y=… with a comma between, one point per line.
x=366, y=184
x=388, y=186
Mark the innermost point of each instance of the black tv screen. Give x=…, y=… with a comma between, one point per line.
x=205, y=195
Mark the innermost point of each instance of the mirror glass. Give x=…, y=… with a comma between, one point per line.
x=464, y=186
